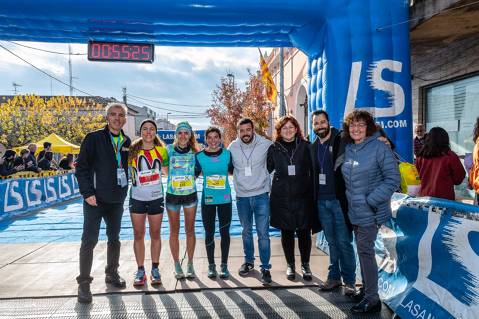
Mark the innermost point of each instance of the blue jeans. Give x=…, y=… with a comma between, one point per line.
x=342, y=262
x=257, y=206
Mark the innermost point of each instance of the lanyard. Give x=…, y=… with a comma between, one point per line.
x=116, y=148
x=294, y=151
x=250, y=154
x=321, y=160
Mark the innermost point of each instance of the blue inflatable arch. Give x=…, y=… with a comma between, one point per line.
x=358, y=49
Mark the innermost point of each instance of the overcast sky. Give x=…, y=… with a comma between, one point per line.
x=181, y=75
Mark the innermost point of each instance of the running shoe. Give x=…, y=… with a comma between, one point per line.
x=190, y=271
x=212, y=271
x=140, y=278
x=178, y=271
x=224, y=273
x=155, y=276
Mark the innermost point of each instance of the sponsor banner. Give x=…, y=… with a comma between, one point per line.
x=22, y=195
x=428, y=258
x=168, y=136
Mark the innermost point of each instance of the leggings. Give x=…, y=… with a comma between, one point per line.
x=208, y=214
x=304, y=242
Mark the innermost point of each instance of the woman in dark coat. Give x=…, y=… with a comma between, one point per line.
x=291, y=199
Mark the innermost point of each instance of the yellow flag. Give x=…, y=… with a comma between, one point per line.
x=271, y=91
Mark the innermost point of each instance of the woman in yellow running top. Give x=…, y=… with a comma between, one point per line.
x=147, y=157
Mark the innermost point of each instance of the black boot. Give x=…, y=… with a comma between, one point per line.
x=115, y=280
x=290, y=272
x=84, y=293
x=307, y=275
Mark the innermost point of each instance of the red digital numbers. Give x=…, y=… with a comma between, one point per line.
x=125, y=52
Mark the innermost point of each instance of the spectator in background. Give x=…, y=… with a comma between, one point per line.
x=66, y=163
x=46, y=162
x=419, y=139
x=439, y=167
x=47, y=147
x=474, y=173
x=26, y=160
x=8, y=166
x=32, y=147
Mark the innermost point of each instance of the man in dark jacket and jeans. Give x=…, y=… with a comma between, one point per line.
x=102, y=174
x=327, y=152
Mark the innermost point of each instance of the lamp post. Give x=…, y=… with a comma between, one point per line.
x=167, y=117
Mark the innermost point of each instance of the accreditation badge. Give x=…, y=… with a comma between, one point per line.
x=216, y=182
x=121, y=177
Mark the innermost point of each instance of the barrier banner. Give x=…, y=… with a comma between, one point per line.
x=428, y=258
x=21, y=195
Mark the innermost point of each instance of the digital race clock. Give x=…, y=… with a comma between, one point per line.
x=123, y=52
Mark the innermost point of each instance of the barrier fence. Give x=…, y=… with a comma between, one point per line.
x=21, y=195
x=428, y=258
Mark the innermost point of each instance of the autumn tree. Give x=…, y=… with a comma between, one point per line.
x=230, y=104
x=29, y=118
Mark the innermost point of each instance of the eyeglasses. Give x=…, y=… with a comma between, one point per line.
x=358, y=125
x=288, y=128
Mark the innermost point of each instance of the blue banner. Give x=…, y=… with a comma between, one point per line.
x=428, y=258
x=168, y=136
x=22, y=195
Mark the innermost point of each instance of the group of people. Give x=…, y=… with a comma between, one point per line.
x=11, y=163
x=342, y=183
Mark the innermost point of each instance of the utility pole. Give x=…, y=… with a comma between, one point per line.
x=124, y=94
x=282, y=109
x=70, y=68
x=15, y=86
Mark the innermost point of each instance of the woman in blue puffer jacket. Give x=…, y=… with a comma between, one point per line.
x=371, y=174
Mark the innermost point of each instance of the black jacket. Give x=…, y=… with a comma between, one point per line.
x=338, y=157
x=96, y=167
x=291, y=198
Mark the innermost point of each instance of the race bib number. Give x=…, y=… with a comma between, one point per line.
x=149, y=177
x=216, y=181
x=182, y=183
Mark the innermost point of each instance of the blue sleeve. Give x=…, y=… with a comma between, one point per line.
x=391, y=177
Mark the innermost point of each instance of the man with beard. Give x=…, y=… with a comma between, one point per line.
x=330, y=196
x=252, y=185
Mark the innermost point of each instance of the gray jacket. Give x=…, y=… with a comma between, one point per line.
x=371, y=175
x=254, y=155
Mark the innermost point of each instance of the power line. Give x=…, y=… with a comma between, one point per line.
x=165, y=109
x=43, y=50
x=426, y=16
x=167, y=103
x=44, y=72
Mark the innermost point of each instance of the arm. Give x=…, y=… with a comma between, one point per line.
x=391, y=177
x=270, y=159
x=198, y=168
x=83, y=171
x=230, y=165
x=457, y=170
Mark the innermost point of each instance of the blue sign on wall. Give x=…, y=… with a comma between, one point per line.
x=168, y=136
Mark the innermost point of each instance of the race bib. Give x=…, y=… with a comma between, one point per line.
x=216, y=181
x=149, y=177
x=182, y=183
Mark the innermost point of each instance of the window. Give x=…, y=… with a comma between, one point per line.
x=454, y=106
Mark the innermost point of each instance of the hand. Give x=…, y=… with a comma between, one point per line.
x=91, y=200
x=385, y=140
